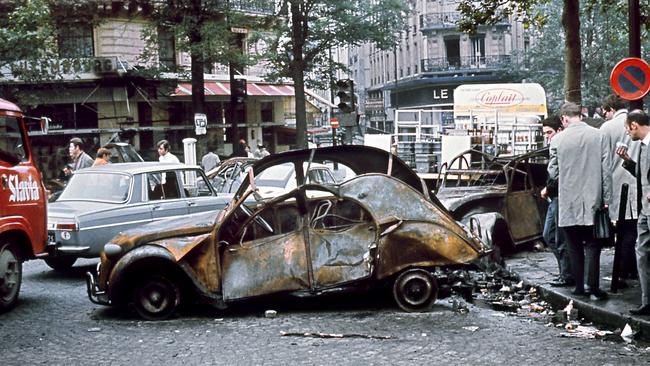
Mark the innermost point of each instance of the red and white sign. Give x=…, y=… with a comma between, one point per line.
x=334, y=123
x=630, y=78
x=499, y=97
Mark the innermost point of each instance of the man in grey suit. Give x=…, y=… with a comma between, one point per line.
x=615, y=135
x=638, y=127
x=579, y=161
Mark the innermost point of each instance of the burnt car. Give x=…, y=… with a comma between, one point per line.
x=379, y=228
x=228, y=175
x=475, y=183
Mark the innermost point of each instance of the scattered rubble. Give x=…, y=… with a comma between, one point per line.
x=503, y=291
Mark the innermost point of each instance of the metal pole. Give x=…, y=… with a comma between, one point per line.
x=617, y=249
x=634, y=38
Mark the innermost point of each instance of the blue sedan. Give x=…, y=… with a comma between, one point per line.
x=100, y=202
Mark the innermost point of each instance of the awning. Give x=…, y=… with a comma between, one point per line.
x=222, y=88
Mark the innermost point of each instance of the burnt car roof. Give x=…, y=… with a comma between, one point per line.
x=361, y=159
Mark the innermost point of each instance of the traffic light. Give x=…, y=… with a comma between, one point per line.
x=345, y=92
x=238, y=91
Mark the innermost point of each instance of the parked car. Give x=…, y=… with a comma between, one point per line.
x=100, y=202
x=475, y=182
x=228, y=176
x=379, y=228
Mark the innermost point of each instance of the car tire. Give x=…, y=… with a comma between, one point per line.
x=156, y=297
x=415, y=290
x=11, y=275
x=60, y=263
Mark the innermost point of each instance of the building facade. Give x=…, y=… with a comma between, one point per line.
x=99, y=92
x=431, y=59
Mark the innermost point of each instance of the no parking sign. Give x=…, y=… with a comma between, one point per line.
x=630, y=78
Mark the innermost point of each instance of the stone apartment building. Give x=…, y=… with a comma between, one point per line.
x=99, y=94
x=432, y=58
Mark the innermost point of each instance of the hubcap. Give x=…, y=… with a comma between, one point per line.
x=9, y=274
x=155, y=297
x=416, y=290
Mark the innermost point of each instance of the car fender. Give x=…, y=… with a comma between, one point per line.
x=494, y=229
x=121, y=274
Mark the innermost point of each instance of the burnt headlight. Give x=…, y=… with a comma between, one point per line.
x=112, y=250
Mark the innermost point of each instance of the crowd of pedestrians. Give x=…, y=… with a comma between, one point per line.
x=587, y=169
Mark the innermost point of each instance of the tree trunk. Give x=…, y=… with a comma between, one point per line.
x=572, y=51
x=299, y=29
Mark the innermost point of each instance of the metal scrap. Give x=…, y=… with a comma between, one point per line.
x=333, y=335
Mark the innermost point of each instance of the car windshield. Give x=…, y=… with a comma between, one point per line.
x=104, y=186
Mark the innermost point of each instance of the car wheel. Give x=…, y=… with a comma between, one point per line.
x=60, y=263
x=415, y=290
x=156, y=297
x=11, y=274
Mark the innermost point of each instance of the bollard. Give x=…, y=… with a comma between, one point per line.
x=617, y=248
x=189, y=150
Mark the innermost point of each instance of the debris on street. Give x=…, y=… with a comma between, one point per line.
x=333, y=335
x=627, y=334
x=270, y=314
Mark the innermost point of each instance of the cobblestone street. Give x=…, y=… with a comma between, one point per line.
x=55, y=324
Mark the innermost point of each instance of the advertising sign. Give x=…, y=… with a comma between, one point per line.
x=478, y=99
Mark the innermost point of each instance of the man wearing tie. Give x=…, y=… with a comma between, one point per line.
x=637, y=125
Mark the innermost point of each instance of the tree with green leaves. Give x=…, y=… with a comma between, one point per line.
x=535, y=12
x=203, y=29
x=299, y=44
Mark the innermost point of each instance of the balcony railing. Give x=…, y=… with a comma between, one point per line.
x=465, y=63
x=445, y=20
x=262, y=7
x=439, y=20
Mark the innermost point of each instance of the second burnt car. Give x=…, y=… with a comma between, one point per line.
x=474, y=184
x=100, y=202
x=379, y=228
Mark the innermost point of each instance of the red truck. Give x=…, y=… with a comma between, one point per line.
x=23, y=203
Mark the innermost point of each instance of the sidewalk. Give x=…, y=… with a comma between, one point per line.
x=540, y=268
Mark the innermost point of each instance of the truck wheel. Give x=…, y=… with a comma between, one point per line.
x=60, y=263
x=11, y=274
x=415, y=290
x=156, y=297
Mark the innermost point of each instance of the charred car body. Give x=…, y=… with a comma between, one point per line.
x=380, y=227
x=474, y=184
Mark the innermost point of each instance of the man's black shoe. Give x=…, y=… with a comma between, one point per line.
x=577, y=292
x=561, y=282
x=598, y=295
x=641, y=310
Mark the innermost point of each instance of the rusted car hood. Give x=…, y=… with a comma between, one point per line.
x=187, y=226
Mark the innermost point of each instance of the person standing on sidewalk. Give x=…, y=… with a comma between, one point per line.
x=164, y=155
x=579, y=161
x=615, y=135
x=552, y=235
x=638, y=127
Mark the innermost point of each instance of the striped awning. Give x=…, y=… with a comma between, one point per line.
x=222, y=88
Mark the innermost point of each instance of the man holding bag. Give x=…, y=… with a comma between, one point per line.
x=579, y=160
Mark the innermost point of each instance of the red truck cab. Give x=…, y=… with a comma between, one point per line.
x=23, y=203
